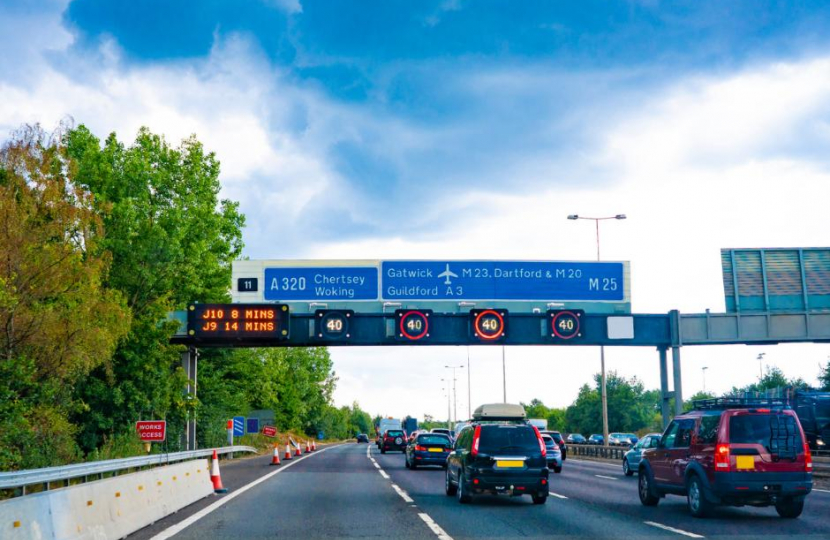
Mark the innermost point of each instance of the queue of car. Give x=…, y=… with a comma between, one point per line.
x=725, y=452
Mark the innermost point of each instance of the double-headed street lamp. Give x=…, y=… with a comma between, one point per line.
x=454, y=394
x=596, y=220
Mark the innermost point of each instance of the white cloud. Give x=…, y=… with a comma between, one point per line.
x=706, y=163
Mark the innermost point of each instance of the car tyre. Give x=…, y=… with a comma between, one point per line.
x=627, y=468
x=699, y=506
x=413, y=465
x=647, y=497
x=463, y=495
x=557, y=470
x=449, y=487
x=789, y=508
x=541, y=498
x=383, y=450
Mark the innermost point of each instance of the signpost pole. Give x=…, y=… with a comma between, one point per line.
x=664, y=387
x=504, y=374
x=190, y=360
x=469, y=399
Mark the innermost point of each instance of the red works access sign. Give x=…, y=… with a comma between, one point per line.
x=151, y=430
x=269, y=431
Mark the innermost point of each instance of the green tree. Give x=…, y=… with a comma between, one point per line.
x=57, y=319
x=824, y=377
x=171, y=241
x=628, y=408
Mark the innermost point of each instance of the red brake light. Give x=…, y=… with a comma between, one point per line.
x=808, y=459
x=476, y=437
x=541, y=441
x=722, y=458
x=420, y=448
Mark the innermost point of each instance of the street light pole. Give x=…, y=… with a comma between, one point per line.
x=469, y=399
x=760, y=366
x=704, y=368
x=447, y=389
x=601, y=348
x=454, y=393
x=504, y=374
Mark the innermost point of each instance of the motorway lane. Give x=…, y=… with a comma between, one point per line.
x=601, y=503
x=333, y=494
x=508, y=517
x=583, y=480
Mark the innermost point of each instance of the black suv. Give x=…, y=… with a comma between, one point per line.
x=498, y=458
x=730, y=451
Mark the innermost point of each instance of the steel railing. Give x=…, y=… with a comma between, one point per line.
x=48, y=475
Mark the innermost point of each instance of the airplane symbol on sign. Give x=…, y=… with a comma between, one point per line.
x=447, y=274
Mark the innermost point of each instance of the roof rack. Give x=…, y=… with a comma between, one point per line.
x=740, y=403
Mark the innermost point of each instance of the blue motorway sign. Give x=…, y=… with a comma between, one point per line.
x=253, y=425
x=502, y=280
x=342, y=283
x=238, y=426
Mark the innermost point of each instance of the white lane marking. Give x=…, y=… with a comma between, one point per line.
x=178, y=527
x=375, y=463
x=402, y=493
x=672, y=529
x=821, y=490
x=588, y=462
x=383, y=474
x=439, y=532
x=558, y=496
x=606, y=477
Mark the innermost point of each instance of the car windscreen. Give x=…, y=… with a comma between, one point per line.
x=507, y=439
x=434, y=439
x=778, y=433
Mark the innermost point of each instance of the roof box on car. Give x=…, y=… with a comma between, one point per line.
x=499, y=411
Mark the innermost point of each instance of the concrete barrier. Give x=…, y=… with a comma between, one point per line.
x=106, y=509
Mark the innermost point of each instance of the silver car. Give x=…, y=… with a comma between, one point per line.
x=631, y=459
x=554, y=454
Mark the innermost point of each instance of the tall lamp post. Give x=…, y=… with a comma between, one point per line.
x=447, y=389
x=596, y=221
x=760, y=366
x=704, y=368
x=454, y=393
x=469, y=399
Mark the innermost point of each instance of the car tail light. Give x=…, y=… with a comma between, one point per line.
x=419, y=448
x=476, y=438
x=722, y=458
x=541, y=442
x=808, y=459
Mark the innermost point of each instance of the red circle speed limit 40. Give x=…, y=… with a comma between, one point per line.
x=412, y=324
x=489, y=325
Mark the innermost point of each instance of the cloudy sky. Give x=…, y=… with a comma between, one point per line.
x=459, y=129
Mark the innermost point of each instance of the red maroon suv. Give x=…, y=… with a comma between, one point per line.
x=730, y=451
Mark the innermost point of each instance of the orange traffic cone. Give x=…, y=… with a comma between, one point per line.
x=313, y=446
x=214, y=475
x=287, y=452
x=307, y=447
x=297, y=451
x=276, y=459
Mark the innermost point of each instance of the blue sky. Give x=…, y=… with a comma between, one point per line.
x=460, y=129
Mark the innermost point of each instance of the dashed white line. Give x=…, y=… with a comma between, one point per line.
x=672, y=529
x=558, y=496
x=606, y=477
x=375, y=463
x=439, y=532
x=402, y=493
x=821, y=490
x=383, y=473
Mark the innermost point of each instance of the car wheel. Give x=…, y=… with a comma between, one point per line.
x=698, y=505
x=413, y=465
x=626, y=469
x=383, y=450
x=647, y=498
x=789, y=508
x=448, y=485
x=541, y=498
x=463, y=495
x=557, y=470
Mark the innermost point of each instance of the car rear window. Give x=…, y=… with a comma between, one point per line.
x=434, y=439
x=778, y=433
x=394, y=433
x=556, y=437
x=507, y=439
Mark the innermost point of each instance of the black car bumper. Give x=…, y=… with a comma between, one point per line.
x=759, y=488
x=526, y=482
x=430, y=458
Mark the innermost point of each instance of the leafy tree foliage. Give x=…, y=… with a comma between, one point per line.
x=824, y=377
x=627, y=408
x=57, y=319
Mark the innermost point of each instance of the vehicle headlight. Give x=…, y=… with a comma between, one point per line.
x=819, y=442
